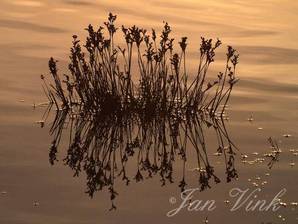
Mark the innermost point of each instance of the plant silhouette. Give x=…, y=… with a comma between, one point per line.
x=112, y=120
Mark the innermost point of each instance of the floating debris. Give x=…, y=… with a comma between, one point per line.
x=201, y=170
x=21, y=101
x=287, y=135
x=260, y=160
x=294, y=203
x=255, y=184
x=260, y=128
x=277, y=151
x=206, y=220
x=258, y=178
x=194, y=169
x=251, y=162
x=36, y=203
x=264, y=182
x=3, y=192
x=244, y=156
x=226, y=118
x=250, y=119
x=268, y=155
x=255, y=153
x=226, y=201
x=41, y=122
x=43, y=104
x=292, y=164
x=267, y=174
x=59, y=109
x=217, y=154
x=224, y=105
x=73, y=116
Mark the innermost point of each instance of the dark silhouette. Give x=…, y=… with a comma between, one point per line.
x=101, y=146
x=112, y=120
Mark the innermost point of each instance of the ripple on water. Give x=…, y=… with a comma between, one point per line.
x=28, y=3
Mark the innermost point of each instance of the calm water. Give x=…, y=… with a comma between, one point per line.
x=265, y=34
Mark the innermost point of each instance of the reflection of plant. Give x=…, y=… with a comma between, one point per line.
x=102, y=147
x=112, y=119
x=275, y=152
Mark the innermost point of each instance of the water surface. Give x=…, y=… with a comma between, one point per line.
x=264, y=32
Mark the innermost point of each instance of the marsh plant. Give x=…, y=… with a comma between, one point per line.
x=150, y=109
x=103, y=84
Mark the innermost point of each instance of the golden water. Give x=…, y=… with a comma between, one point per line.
x=265, y=34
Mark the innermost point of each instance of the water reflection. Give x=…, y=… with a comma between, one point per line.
x=102, y=146
x=274, y=109
x=113, y=120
